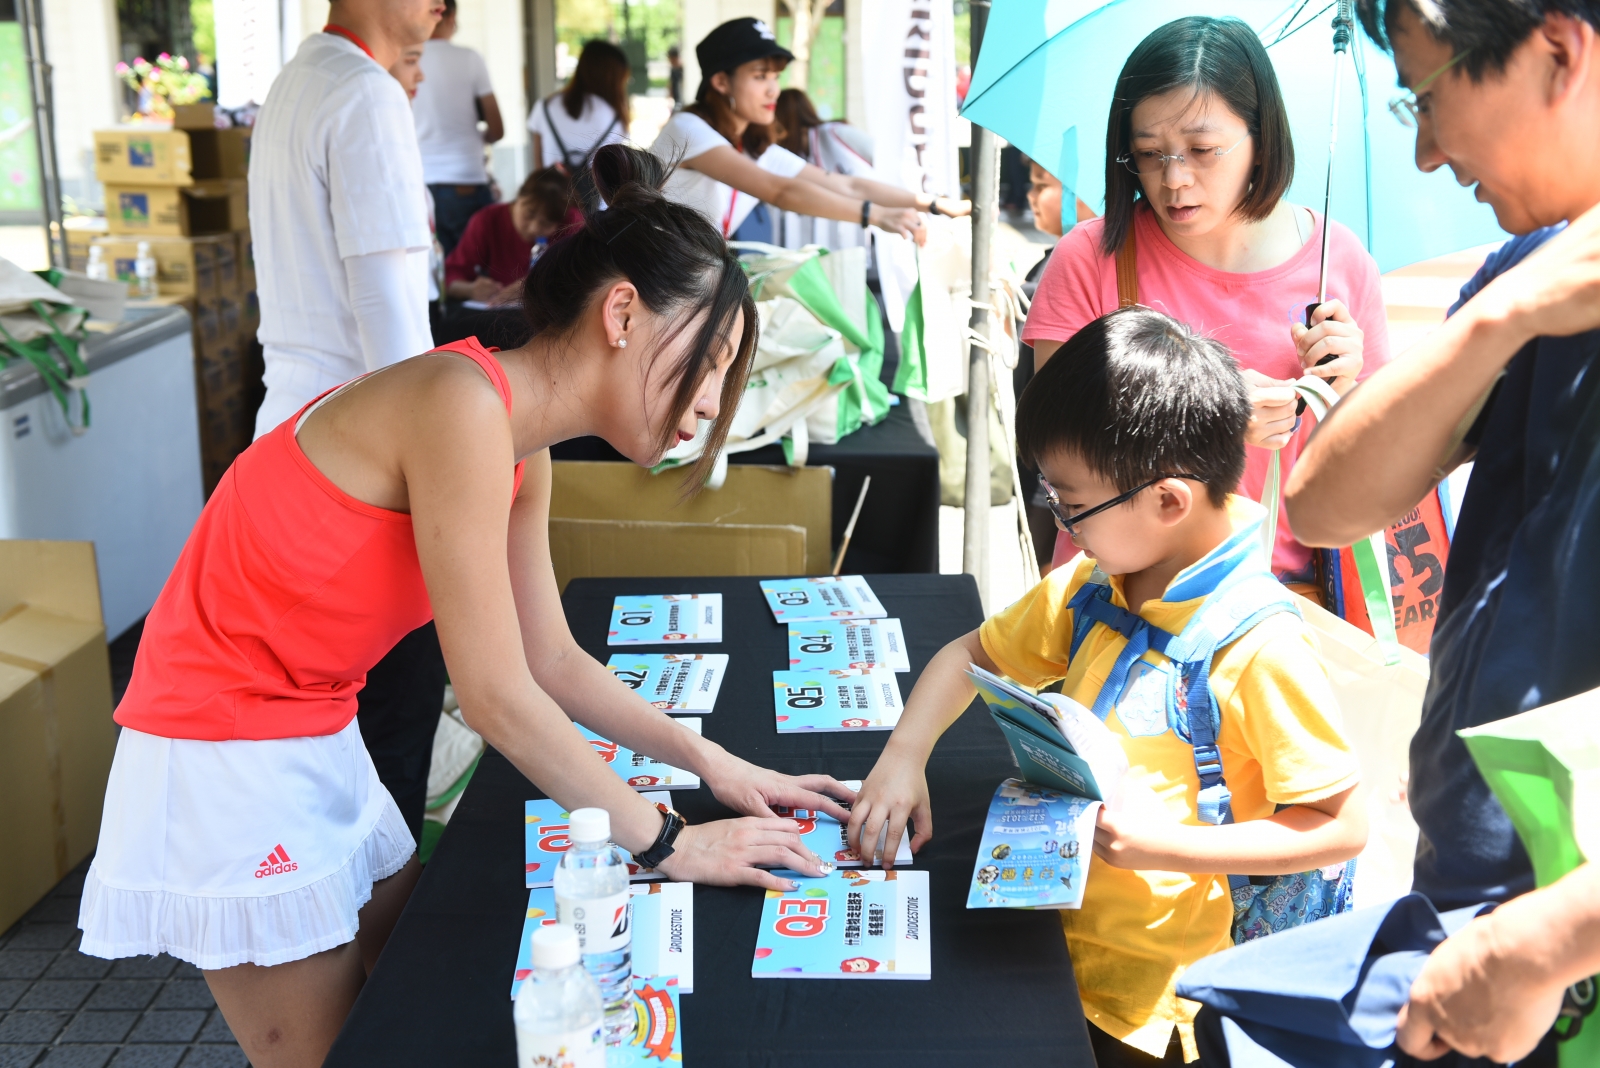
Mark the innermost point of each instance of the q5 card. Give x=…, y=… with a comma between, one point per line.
x=545, y=826
x=840, y=700
x=847, y=925
x=673, y=682
x=1035, y=849
x=862, y=644
x=824, y=597
x=825, y=836
x=643, y=772
x=666, y=619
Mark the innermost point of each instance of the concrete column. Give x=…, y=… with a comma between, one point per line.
x=81, y=43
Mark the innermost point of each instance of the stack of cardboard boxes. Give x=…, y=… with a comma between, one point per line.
x=183, y=190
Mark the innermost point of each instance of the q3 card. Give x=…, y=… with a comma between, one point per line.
x=643, y=772
x=545, y=826
x=822, y=597
x=847, y=925
x=666, y=619
x=673, y=682
x=1035, y=849
x=839, y=700
x=862, y=644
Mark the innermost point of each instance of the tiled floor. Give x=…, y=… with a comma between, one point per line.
x=61, y=1009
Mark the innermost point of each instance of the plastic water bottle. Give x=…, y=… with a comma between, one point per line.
x=559, y=1019
x=591, y=885
x=96, y=267
x=144, y=270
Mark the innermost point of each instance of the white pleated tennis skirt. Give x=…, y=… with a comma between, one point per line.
x=238, y=852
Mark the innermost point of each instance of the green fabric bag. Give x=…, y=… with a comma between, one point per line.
x=1544, y=768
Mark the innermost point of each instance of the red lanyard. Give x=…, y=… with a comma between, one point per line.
x=352, y=38
x=727, y=220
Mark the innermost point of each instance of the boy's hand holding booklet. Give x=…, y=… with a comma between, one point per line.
x=1039, y=832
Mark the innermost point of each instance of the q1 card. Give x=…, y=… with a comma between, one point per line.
x=545, y=825
x=666, y=619
x=840, y=700
x=1035, y=849
x=862, y=644
x=824, y=597
x=673, y=682
x=848, y=925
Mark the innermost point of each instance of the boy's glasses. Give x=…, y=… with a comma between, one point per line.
x=1407, y=106
x=1069, y=522
x=1149, y=161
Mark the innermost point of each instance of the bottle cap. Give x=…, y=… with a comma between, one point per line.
x=555, y=947
x=590, y=825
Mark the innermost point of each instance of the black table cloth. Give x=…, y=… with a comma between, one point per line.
x=1002, y=986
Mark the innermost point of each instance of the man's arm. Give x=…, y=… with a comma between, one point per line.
x=1494, y=988
x=388, y=307
x=491, y=117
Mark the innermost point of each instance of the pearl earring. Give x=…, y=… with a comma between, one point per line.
x=621, y=343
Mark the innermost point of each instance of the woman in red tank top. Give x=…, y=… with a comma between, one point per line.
x=418, y=491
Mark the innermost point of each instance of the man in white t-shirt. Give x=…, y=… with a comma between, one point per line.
x=454, y=92
x=338, y=208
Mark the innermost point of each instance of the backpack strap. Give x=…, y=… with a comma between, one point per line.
x=1127, y=258
x=1091, y=605
x=561, y=146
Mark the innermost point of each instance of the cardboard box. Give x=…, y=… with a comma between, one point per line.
x=142, y=155
x=214, y=206
x=584, y=548
x=80, y=231
x=230, y=315
x=207, y=323
x=247, y=260
x=220, y=153
x=227, y=255
x=755, y=494
x=185, y=266
x=56, y=733
x=219, y=371
x=194, y=116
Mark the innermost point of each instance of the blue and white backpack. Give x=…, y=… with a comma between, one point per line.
x=1241, y=594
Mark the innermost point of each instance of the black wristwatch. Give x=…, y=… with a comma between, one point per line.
x=933, y=207
x=866, y=213
x=661, y=848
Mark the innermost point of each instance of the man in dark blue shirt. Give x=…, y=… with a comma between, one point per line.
x=1507, y=94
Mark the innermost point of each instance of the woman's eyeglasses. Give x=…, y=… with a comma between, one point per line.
x=1407, y=106
x=1069, y=522
x=1149, y=161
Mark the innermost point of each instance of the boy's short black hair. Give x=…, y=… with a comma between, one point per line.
x=1137, y=395
x=1487, y=31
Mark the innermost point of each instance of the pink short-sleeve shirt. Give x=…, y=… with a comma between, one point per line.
x=1250, y=313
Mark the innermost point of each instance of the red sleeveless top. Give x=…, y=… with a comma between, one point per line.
x=287, y=592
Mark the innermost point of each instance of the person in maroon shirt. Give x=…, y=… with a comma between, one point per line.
x=497, y=247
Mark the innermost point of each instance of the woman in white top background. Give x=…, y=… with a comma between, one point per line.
x=729, y=159
x=569, y=127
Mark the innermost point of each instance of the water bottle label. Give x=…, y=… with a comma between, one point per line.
x=583, y=1048
x=602, y=923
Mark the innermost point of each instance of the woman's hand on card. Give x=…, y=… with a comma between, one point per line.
x=1272, y=415
x=737, y=852
x=1332, y=333
x=895, y=792
x=754, y=791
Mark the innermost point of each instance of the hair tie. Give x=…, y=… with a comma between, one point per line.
x=619, y=233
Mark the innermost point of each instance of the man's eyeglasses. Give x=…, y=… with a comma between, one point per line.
x=1407, y=106
x=1069, y=522
x=1149, y=161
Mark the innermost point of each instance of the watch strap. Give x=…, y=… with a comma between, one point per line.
x=661, y=848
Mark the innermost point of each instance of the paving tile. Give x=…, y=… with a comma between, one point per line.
x=173, y=1026
x=77, y=1057
x=19, y=1056
x=124, y=994
x=10, y=991
x=72, y=885
x=143, y=967
x=24, y=964
x=43, y=936
x=216, y=1030
x=77, y=965
x=31, y=1026
x=185, y=994
x=99, y=1027
x=54, y=910
x=149, y=1056
x=56, y=994
x=216, y=1057
x=188, y=971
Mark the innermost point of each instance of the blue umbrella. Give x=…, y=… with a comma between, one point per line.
x=1047, y=71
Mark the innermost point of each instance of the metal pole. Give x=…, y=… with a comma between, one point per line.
x=44, y=127
x=985, y=204
x=1343, y=23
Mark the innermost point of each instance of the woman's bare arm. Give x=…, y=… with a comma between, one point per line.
x=808, y=197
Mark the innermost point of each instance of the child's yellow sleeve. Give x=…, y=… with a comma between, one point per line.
x=1031, y=640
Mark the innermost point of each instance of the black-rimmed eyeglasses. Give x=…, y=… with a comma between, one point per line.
x=1068, y=522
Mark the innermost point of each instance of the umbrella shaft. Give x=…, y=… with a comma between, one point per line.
x=1327, y=197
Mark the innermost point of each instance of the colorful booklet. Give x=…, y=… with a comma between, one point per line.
x=663, y=932
x=658, y=1026
x=825, y=597
x=862, y=644
x=545, y=839
x=1037, y=735
x=1035, y=849
x=666, y=619
x=848, y=925
x=643, y=772
x=672, y=681
x=838, y=700
x=825, y=836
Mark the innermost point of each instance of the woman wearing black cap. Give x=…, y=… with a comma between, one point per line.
x=729, y=158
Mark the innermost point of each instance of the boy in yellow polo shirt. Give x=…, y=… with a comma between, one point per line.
x=1137, y=426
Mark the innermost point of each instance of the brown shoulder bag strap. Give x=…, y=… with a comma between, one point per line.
x=1127, y=271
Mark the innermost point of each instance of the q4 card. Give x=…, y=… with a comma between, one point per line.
x=862, y=644
x=1035, y=849
x=644, y=772
x=672, y=682
x=545, y=826
x=825, y=836
x=666, y=619
x=839, y=700
x=824, y=597
x=847, y=925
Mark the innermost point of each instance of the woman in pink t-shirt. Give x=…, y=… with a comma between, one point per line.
x=1198, y=157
